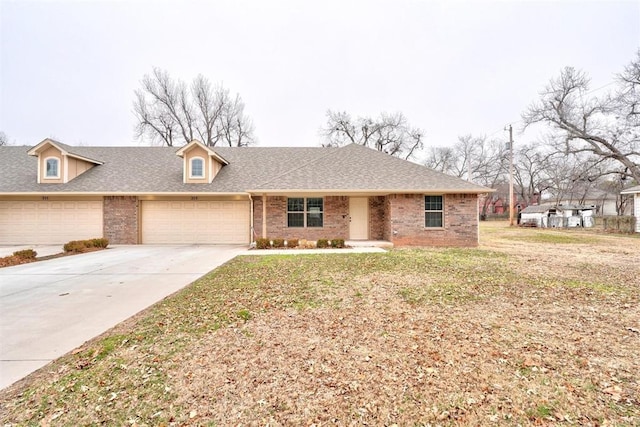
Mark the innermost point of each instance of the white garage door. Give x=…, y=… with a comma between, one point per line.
x=207, y=222
x=49, y=222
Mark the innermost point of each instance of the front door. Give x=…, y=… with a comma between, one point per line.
x=359, y=214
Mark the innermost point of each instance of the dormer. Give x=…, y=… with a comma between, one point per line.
x=58, y=163
x=200, y=163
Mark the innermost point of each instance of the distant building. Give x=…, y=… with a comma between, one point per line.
x=557, y=216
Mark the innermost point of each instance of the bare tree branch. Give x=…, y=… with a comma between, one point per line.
x=390, y=133
x=587, y=124
x=170, y=113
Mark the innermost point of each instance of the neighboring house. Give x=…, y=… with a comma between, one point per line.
x=498, y=202
x=635, y=191
x=558, y=215
x=53, y=193
x=606, y=202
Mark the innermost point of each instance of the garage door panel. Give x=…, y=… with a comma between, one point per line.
x=205, y=222
x=49, y=222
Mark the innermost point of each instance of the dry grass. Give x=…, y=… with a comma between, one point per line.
x=534, y=327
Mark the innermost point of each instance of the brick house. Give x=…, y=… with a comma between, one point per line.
x=53, y=193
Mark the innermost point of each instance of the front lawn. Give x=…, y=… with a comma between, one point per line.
x=533, y=327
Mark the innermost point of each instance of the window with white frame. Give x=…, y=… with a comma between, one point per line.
x=197, y=168
x=433, y=212
x=52, y=167
x=305, y=212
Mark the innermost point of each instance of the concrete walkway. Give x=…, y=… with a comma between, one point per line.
x=49, y=308
x=354, y=250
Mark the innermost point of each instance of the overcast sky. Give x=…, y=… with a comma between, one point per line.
x=69, y=68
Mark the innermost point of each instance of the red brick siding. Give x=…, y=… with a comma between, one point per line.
x=378, y=218
x=257, y=217
x=386, y=234
x=120, y=219
x=336, y=220
x=460, y=221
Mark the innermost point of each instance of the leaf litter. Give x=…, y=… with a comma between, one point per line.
x=520, y=331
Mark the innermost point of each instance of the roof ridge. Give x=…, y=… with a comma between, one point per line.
x=332, y=151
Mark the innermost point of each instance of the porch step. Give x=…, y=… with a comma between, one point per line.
x=369, y=243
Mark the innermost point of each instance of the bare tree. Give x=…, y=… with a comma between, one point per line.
x=4, y=139
x=389, y=133
x=171, y=113
x=531, y=172
x=606, y=127
x=472, y=158
x=627, y=97
x=442, y=159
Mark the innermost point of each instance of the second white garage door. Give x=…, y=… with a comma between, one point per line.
x=204, y=222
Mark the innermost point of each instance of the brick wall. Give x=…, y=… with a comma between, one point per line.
x=399, y=213
x=336, y=220
x=407, y=221
x=120, y=219
x=257, y=217
x=378, y=218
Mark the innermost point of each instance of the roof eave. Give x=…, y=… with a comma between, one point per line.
x=34, y=151
x=218, y=157
x=371, y=191
x=124, y=193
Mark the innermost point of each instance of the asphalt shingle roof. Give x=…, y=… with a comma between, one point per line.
x=159, y=170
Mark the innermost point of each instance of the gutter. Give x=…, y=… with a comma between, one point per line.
x=380, y=192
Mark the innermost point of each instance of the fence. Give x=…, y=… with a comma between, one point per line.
x=616, y=224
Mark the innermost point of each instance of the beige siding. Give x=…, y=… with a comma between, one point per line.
x=196, y=151
x=51, y=152
x=216, y=166
x=211, y=165
x=195, y=222
x=49, y=222
x=77, y=167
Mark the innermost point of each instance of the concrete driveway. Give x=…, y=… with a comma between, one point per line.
x=51, y=307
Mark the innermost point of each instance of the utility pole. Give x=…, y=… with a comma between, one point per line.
x=510, y=176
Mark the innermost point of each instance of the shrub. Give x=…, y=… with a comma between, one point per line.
x=80, y=246
x=337, y=243
x=99, y=243
x=278, y=243
x=26, y=254
x=74, y=246
x=292, y=243
x=322, y=243
x=618, y=224
x=262, y=243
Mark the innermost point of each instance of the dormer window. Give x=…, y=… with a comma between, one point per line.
x=52, y=167
x=200, y=163
x=197, y=168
